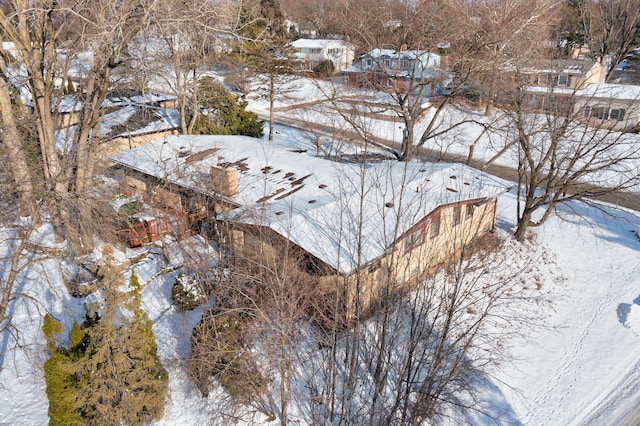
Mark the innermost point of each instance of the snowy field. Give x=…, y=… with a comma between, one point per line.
x=581, y=368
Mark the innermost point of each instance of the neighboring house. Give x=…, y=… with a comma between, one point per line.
x=407, y=67
x=124, y=128
x=313, y=52
x=68, y=107
x=611, y=106
x=565, y=73
x=553, y=83
x=399, y=223
x=577, y=87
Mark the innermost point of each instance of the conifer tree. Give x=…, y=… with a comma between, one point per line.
x=223, y=113
x=265, y=47
x=110, y=375
x=126, y=382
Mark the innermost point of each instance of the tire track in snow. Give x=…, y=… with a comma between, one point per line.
x=619, y=402
x=567, y=368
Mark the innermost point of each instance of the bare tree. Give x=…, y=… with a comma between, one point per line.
x=565, y=150
x=611, y=29
x=185, y=43
x=49, y=38
x=427, y=56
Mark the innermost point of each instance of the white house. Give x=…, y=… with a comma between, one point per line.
x=313, y=52
x=403, y=60
x=404, y=67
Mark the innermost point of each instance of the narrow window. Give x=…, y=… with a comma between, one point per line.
x=617, y=114
x=434, y=227
x=470, y=209
x=564, y=80
x=456, y=215
x=414, y=240
x=599, y=112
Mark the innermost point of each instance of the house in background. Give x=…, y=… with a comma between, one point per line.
x=311, y=53
x=552, y=84
x=610, y=106
x=384, y=67
x=67, y=108
x=577, y=88
x=409, y=219
x=125, y=127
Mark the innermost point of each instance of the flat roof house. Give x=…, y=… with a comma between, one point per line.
x=374, y=223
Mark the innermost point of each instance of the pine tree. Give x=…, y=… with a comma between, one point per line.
x=127, y=383
x=223, y=113
x=111, y=374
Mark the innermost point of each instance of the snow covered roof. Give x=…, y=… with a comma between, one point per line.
x=610, y=91
x=555, y=90
x=72, y=103
x=129, y=121
x=423, y=55
x=310, y=43
x=561, y=66
x=312, y=201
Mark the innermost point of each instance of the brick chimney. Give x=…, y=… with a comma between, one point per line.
x=225, y=181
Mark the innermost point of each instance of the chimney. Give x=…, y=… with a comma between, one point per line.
x=225, y=181
x=444, y=62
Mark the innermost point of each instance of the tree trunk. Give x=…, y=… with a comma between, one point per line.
x=17, y=159
x=15, y=268
x=272, y=95
x=523, y=225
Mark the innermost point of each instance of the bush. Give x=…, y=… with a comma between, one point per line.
x=59, y=376
x=187, y=293
x=218, y=353
x=223, y=113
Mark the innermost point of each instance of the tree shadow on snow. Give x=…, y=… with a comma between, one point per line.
x=607, y=222
x=624, y=309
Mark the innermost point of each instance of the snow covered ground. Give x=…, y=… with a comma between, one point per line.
x=582, y=367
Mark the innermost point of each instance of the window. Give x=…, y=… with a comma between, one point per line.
x=470, y=209
x=414, y=239
x=604, y=113
x=315, y=50
x=434, y=226
x=368, y=62
x=563, y=80
x=617, y=114
x=456, y=215
x=543, y=79
x=599, y=112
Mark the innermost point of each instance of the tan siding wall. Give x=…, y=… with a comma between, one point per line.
x=404, y=265
x=117, y=145
x=631, y=116
x=400, y=267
